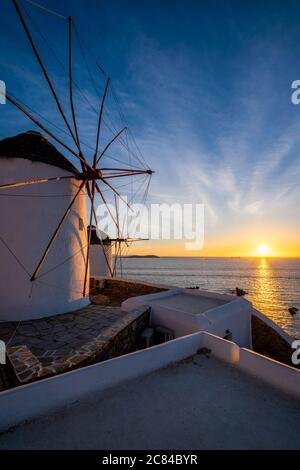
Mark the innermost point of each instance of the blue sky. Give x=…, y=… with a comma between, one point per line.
x=206, y=89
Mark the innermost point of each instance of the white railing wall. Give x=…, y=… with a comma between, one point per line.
x=30, y=401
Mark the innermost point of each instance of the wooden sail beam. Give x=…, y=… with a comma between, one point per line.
x=83, y=159
x=129, y=170
x=114, y=268
x=45, y=73
x=100, y=122
x=116, y=192
x=34, y=275
x=109, y=144
x=100, y=239
x=128, y=240
x=121, y=175
x=45, y=129
x=101, y=69
x=117, y=244
x=106, y=204
x=71, y=82
x=36, y=181
x=92, y=196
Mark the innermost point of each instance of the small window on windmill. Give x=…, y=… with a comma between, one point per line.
x=81, y=224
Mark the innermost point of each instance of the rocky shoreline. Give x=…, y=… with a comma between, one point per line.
x=268, y=342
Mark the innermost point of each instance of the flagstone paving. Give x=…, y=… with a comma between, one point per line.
x=40, y=348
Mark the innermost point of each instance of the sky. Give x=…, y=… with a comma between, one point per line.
x=206, y=89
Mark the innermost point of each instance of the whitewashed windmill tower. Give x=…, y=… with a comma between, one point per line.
x=100, y=254
x=44, y=241
x=29, y=214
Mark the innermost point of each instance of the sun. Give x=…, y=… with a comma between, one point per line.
x=263, y=250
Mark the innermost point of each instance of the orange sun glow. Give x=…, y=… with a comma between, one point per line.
x=263, y=250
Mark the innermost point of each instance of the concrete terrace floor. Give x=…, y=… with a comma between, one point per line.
x=199, y=403
x=190, y=303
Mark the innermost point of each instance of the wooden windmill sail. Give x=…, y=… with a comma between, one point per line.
x=122, y=241
x=91, y=176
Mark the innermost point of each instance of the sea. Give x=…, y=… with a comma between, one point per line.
x=272, y=284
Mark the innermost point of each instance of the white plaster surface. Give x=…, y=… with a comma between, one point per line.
x=29, y=217
x=200, y=403
x=100, y=261
x=187, y=311
x=190, y=303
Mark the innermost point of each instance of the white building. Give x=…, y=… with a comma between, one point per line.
x=100, y=254
x=29, y=217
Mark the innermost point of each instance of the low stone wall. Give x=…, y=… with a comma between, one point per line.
x=117, y=291
x=96, y=283
x=268, y=342
x=127, y=340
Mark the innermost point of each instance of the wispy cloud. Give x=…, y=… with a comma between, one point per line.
x=208, y=99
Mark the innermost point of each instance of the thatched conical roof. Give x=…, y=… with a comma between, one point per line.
x=95, y=236
x=34, y=146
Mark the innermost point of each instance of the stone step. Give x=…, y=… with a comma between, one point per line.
x=26, y=365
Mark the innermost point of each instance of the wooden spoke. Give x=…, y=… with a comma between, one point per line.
x=109, y=144
x=128, y=170
x=41, y=126
x=101, y=242
x=71, y=82
x=36, y=52
x=92, y=196
x=135, y=240
x=116, y=192
x=121, y=174
x=101, y=69
x=33, y=277
x=37, y=181
x=99, y=122
x=117, y=244
x=83, y=161
x=107, y=206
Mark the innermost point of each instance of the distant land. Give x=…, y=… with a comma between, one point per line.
x=141, y=256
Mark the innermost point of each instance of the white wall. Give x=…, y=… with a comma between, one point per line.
x=29, y=401
x=276, y=374
x=98, y=264
x=27, y=224
x=234, y=315
x=226, y=351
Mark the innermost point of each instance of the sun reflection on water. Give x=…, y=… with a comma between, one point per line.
x=266, y=293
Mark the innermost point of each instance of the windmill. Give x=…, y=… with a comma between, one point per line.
x=123, y=241
x=91, y=177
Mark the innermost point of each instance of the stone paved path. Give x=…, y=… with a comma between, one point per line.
x=50, y=345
